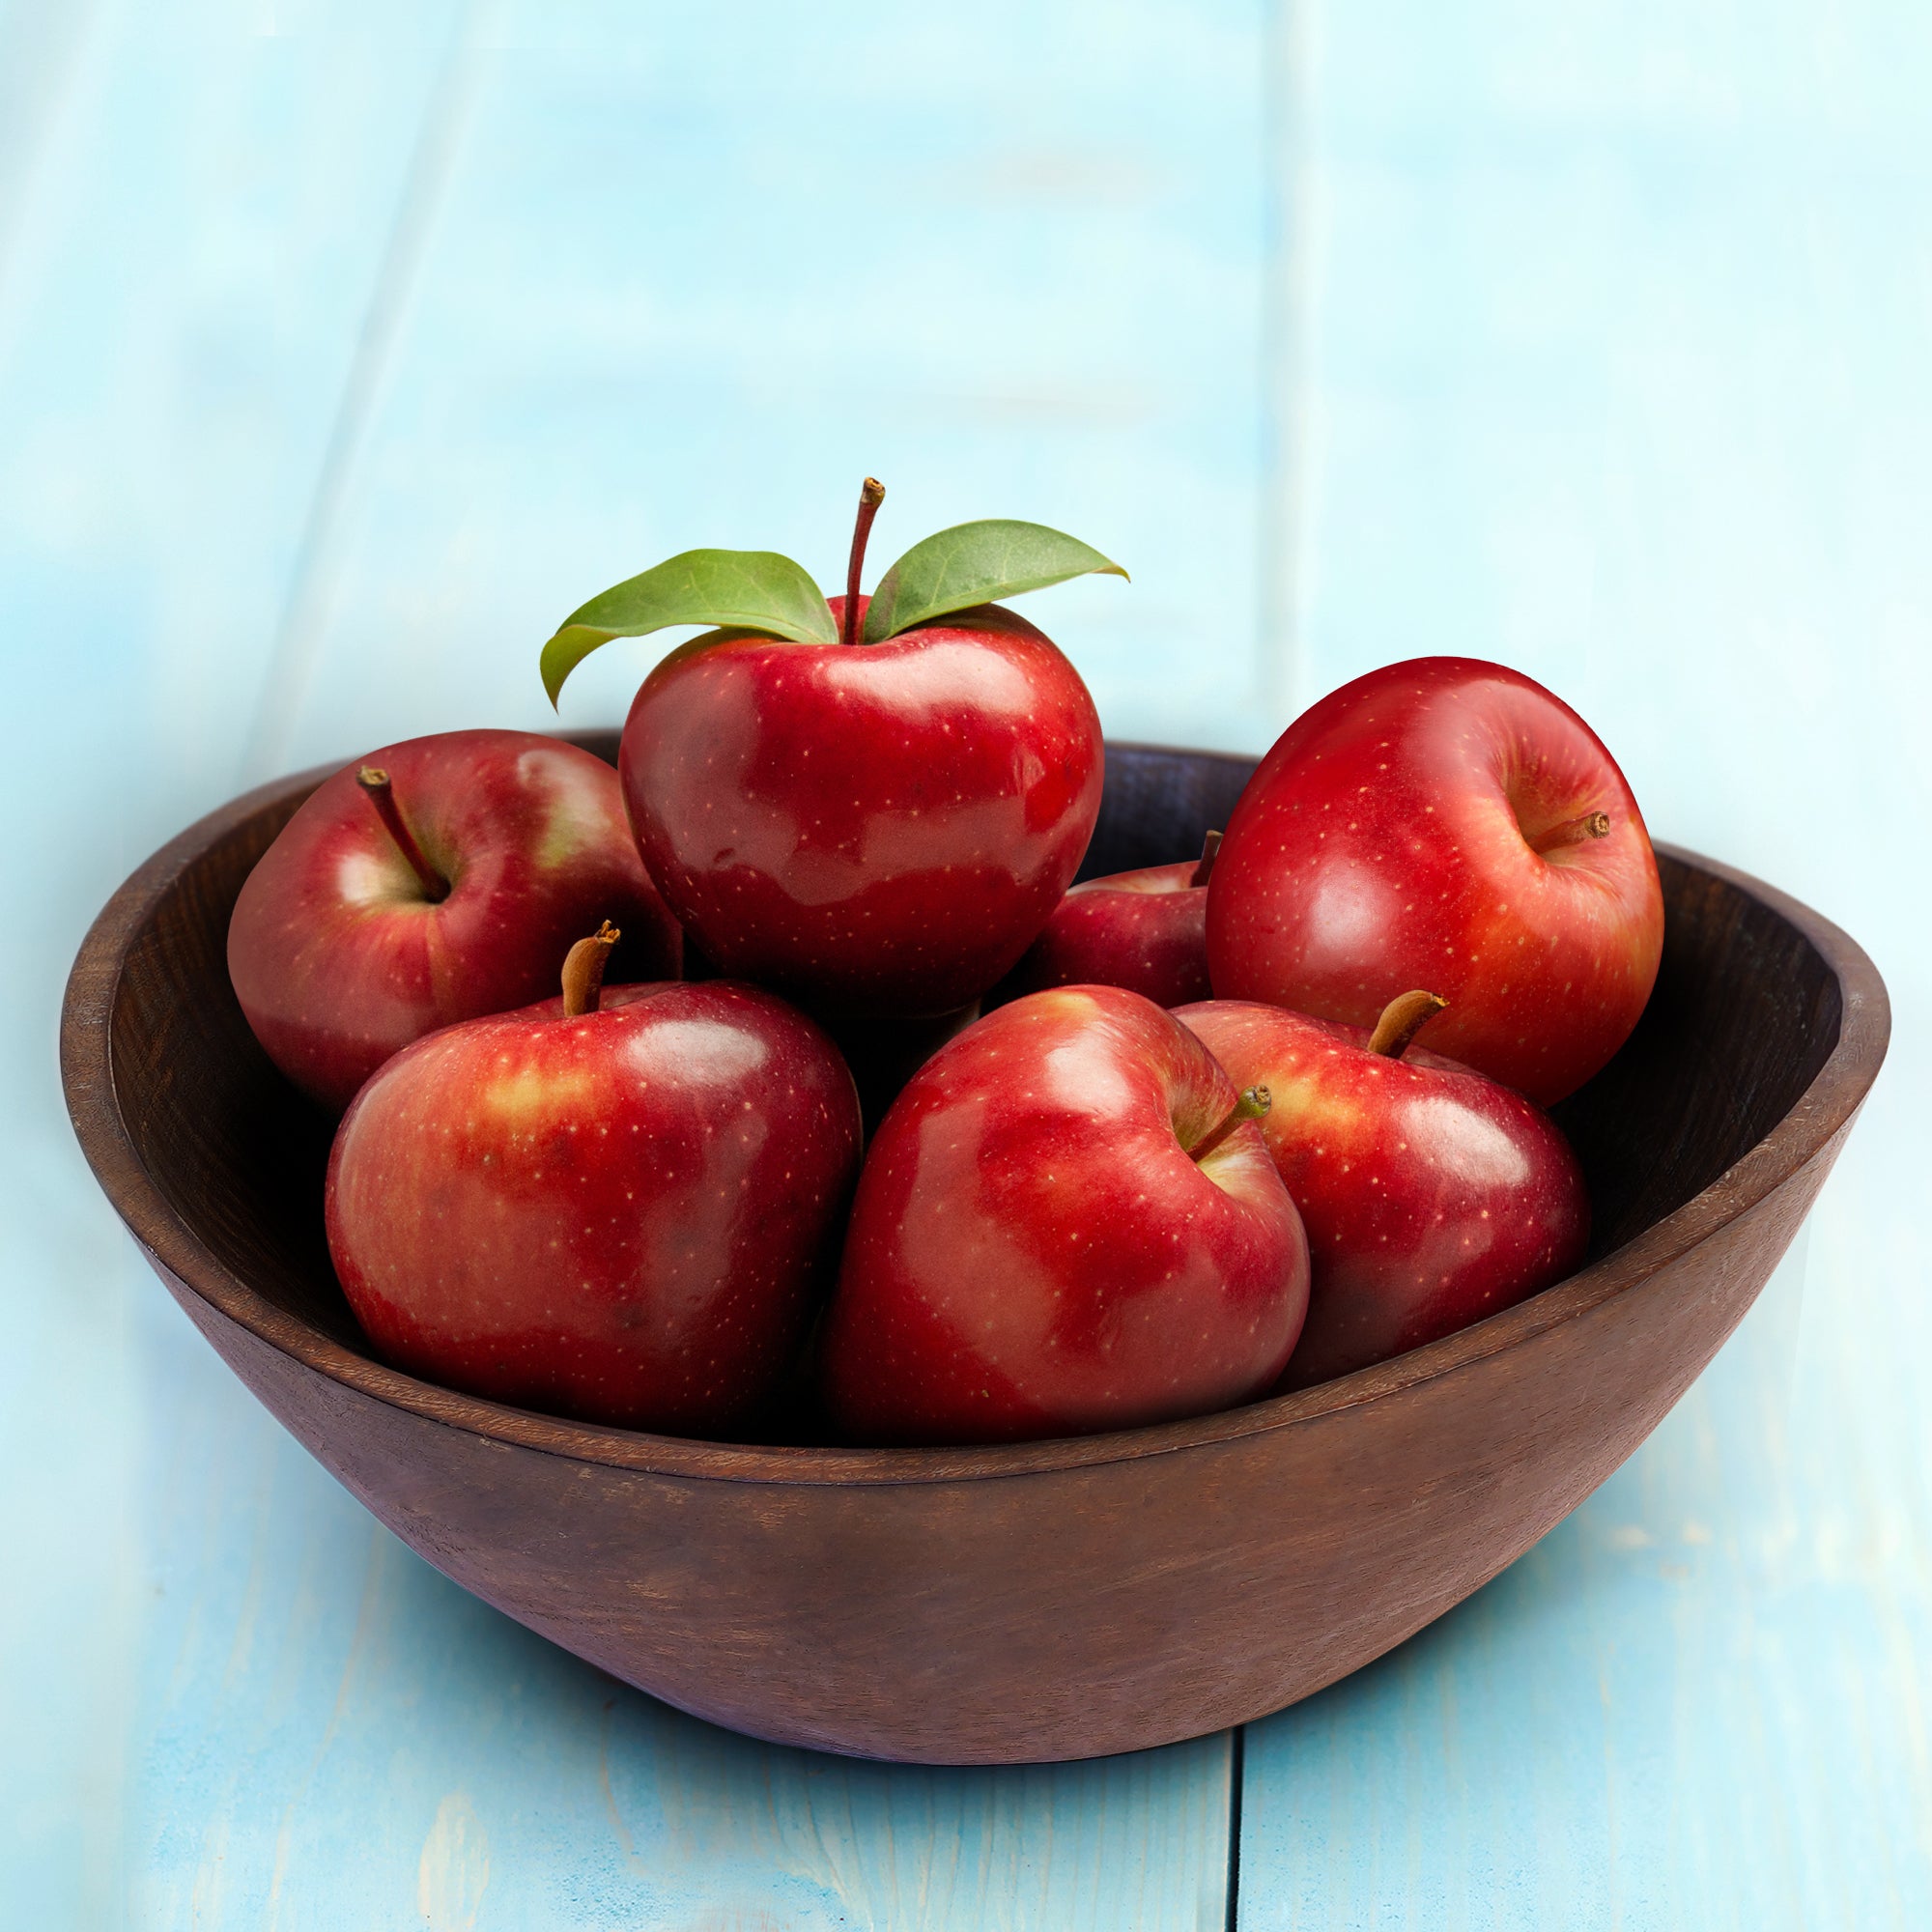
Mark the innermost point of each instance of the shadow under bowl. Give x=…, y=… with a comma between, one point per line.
x=1026, y=1603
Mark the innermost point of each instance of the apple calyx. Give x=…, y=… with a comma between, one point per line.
x=1205, y=870
x=1403, y=1018
x=583, y=971
x=1573, y=832
x=377, y=788
x=1253, y=1103
x=871, y=494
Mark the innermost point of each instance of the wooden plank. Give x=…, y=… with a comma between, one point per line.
x=1691, y=1704
x=590, y=227
x=41, y=57
x=690, y=285
x=186, y=213
x=633, y=330
x=1613, y=377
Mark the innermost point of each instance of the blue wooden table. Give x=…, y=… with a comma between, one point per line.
x=344, y=346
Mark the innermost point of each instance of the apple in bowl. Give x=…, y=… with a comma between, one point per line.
x=871, y=804
x=619, y=1206
x=1451, y=824
x=883, y=827
x=1432, y=1197
x=1067, y=1222
x=435, y=881
x=1146, y=929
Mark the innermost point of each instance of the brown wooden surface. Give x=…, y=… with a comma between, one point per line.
x=1043, y=1601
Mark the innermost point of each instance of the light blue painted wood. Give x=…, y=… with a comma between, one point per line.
x=1700, y=1702
x=691, y=282
x=185, y=258
x=1703, y=1700
x=288, y=1721
x=551, y=270
x=1614, y=373
x=338, y=354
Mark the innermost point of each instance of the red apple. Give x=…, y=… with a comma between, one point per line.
x=623, y=1213
x=1432, y=1197
x=1145, y=930
x=1067, y=1222
x=882, y=826
x=450, y=884
x=1451, y=824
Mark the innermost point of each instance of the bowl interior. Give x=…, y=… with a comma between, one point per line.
x=1745, y=1013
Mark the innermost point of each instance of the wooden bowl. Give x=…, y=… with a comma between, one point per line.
x=1049, y=1599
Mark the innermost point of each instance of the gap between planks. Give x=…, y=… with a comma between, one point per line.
x=1237, y=1753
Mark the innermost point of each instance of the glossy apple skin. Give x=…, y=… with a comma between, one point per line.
x=339, y=957
x=883, y=827
x=1033, y=1251
x=1432, y=1196
x=628, y=1217
x=1145, y=930
x=1381, y=846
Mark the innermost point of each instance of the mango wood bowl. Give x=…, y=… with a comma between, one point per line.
x=1051, y=1600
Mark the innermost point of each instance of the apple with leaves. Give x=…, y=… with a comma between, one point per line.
x=1068, y=1222
x=440, y=879
x=872, y=804
x=621, y=1205
x=1146, y=930
x=1445, y=823
x=1432, y=1196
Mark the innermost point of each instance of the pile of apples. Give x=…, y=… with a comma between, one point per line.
x=593, y=1034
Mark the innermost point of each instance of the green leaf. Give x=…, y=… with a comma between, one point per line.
x=742, y=589
x=974, y=563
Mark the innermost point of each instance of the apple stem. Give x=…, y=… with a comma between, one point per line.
x=1251, y=1106
x=1573, y=832
x=1205, y=870
x=1403, y=1018
x=583, y=971
x=871, y=494
x=376, y=787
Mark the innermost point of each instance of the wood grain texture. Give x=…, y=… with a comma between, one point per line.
x=1613, y=373
x=330, y=1729
x=1041, y=1602
x=190, y=212
x=1636, y=1724
x=1599, y=349
x=245, y=390
x=1010, y=261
